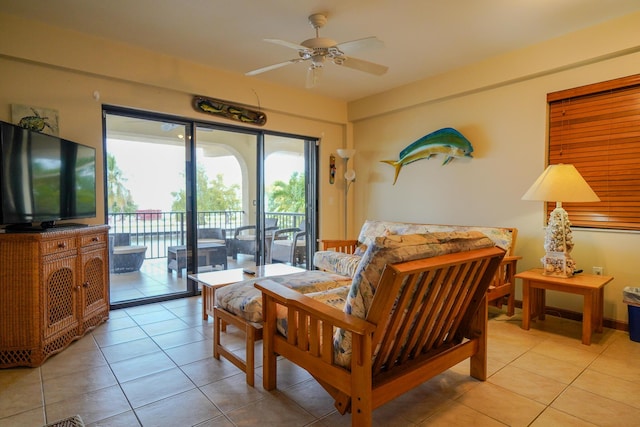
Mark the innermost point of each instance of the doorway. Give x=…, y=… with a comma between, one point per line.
x=185, y=197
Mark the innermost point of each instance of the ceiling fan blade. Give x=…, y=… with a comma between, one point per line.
x=272, y=67
x=360, y=44
x=362, y=65
x=285, y=43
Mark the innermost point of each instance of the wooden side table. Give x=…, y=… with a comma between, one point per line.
x=591, y=287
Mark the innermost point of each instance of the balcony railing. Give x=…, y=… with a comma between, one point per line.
x=158, y=230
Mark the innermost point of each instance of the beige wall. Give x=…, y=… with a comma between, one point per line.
x=53, y=68
x=500, y=106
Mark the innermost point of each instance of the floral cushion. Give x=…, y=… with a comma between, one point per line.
x=244, y=300
x=336, y=297
x=375, y=228
x=337, y=262
x=393, y=249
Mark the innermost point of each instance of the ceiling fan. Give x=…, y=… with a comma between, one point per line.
x=318, y=49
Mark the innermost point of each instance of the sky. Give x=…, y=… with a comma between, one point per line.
x=152, y=177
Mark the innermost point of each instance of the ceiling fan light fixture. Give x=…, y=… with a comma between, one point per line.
x=313, y=75
x=317, y=61
x=316, y=49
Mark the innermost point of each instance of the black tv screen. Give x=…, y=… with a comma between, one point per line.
x=44, y=178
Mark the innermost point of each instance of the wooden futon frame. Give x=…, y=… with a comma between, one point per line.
x=426, y=316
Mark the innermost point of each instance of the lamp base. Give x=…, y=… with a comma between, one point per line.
x=558, y=243
x=558, y=264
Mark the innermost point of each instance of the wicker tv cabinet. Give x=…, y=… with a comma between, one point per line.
x=54, y=287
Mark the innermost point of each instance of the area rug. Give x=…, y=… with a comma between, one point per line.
x=74, y=421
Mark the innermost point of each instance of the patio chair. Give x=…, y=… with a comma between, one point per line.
x=244, y=238
x=212, y=235
x=289, y=246
x=124, y=257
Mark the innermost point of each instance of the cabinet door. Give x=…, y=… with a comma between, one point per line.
x=94, y=303
x=60, y=298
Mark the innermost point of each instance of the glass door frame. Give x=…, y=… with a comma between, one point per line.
x=311, y=156
x=312, y=193
x=190, y=286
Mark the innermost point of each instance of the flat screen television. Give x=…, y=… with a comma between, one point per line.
x=44, y=178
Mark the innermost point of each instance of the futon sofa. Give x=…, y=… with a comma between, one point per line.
x=338, y=268
x=416, y=307
x=343, y=256
x=331, y=285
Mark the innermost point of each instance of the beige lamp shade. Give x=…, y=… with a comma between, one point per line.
x=346, y=153
x=350, y=175
x=561, y=183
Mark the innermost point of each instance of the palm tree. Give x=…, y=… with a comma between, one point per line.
x=212, y=195
x=118, y=196
x=288, y=197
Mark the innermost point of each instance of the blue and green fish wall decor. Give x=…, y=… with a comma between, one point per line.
x=447, y=141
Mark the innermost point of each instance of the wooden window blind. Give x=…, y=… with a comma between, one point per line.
x=597, y=129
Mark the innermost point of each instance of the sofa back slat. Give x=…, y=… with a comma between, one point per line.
x=430, y=310
x=401, y=342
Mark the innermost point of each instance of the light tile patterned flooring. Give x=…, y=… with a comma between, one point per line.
x=152, y=366
x=154, y=279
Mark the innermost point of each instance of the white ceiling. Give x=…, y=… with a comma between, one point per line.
x=421, y=38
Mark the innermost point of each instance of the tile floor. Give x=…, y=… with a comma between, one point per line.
x=152, y=366
x=154, y=279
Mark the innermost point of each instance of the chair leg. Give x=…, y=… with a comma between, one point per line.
x=269, y=360
x=478, y=368
x=361, y=382
x=217, y=327
x=511, y=305
x=250, y=348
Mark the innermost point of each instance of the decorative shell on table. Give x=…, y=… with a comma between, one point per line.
x=558, y=243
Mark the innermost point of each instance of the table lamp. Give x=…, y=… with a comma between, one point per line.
x=560, y=183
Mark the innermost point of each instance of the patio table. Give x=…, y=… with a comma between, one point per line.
x=209, y=254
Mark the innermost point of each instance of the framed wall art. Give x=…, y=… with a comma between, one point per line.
x=40, y=119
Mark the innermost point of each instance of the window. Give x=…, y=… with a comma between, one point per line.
x=597, y=129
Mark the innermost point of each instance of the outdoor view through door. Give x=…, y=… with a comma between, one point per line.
x=245, y=199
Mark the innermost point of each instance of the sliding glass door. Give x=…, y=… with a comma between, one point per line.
x=186, y=197
x=146, y=163
x=254, y=189
x=288, y=180
x=226, y=172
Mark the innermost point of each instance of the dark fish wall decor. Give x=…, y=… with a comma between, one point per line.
x=221, y=108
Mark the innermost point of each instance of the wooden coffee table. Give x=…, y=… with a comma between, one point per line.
x=213, y=280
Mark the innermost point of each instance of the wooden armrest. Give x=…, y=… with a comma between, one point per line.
x=290, y=298
x=510, y=262
x=503, y=284
x=346, y=246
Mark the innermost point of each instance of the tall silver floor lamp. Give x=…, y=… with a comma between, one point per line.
x=349, y=178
